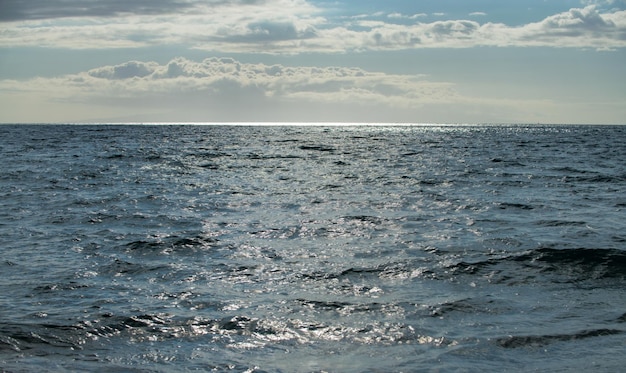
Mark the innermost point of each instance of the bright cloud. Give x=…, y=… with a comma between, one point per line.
x=296, y=26
x=212, y=76
x=225, y=89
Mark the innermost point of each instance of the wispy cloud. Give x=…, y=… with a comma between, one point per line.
x=404, y=16
x=294, y=26
x=597, y=2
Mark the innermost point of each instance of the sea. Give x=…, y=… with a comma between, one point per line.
x=320, y=248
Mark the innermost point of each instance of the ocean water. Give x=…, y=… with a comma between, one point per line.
x=306, y=249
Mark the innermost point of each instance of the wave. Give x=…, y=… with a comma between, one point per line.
x=610, y=179
x=237, y=331
x=538, y=265
x=122, y=267
x=389, y=271
x=172, y=244
x=562, y=265
x=560, y=223
x=543, y=340
x=319, y=148
x=512, y=205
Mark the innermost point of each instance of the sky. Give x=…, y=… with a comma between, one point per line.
x=391, y=61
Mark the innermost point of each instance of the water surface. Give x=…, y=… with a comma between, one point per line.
x=307, y=249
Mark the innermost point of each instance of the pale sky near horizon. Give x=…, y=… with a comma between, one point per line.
x=426, y=61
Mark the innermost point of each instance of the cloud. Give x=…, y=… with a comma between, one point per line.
x=578, y=28
x=597, y=2
x=403, y=16
x=225, y=89
x=297, y=26
x=478, y=14
x=577, y=21
x=585, y=27
x=267, y=31
x=213, y=76
x=132, y=69
x=16, y=10
x=218, y=25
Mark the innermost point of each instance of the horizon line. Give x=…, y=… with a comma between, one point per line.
x=320, y=123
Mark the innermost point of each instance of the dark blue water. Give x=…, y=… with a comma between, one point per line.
x=308, y=249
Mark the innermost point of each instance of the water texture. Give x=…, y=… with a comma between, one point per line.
x=309, y=249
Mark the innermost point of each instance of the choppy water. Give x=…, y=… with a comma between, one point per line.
x=304, y=249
